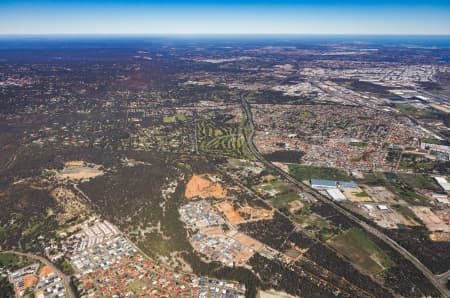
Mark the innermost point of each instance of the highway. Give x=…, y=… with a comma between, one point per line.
x=65, y=278
x=307, y=189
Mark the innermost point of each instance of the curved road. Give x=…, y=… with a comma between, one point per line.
x=65, y=278
x=306, y=188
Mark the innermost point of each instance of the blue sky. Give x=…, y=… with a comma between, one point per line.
x=225, y=17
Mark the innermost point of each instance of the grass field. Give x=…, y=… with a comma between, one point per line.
x=5, y=259
x=356, y=246
x=303, y=173
x=326, y=234
x=278, y=185
x=284, y=194
x=281, y=201
x=180, y=117
x=311, y=220
x=413, y=111
x=306, y=115
x=13, y=262
x=172, y=119
x=358, y=144
x=362, y=194
x=434, y=141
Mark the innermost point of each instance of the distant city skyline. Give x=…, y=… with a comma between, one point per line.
x=225, y=17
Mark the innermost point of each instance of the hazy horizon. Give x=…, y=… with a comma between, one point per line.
x=199, y=17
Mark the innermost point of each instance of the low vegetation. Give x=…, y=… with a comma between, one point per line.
x=361, y=251
x=303, y=173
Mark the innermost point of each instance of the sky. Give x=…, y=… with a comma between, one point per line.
x=413, y=17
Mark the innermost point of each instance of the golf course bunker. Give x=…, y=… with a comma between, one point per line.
x=204, y=186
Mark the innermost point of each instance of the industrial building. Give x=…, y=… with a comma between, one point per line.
x=322, y=184
x=327, y=184
x=443, y=183
x=336, y=194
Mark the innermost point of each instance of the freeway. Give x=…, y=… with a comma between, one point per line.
x=307, y=189
x=65, y=278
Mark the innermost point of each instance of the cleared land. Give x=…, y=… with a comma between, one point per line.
x=248, y=241
x=76, y=170
x=201, y=186
x=230, y=213
x=402, y=186
x=243, y=214
x=273, y=294
x=429, y=218
x=356, y=195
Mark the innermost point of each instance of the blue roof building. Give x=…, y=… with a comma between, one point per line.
x=320, y=183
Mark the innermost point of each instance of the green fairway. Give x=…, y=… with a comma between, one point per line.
x=222, y=139
x=179, y=117
x=358, y=144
